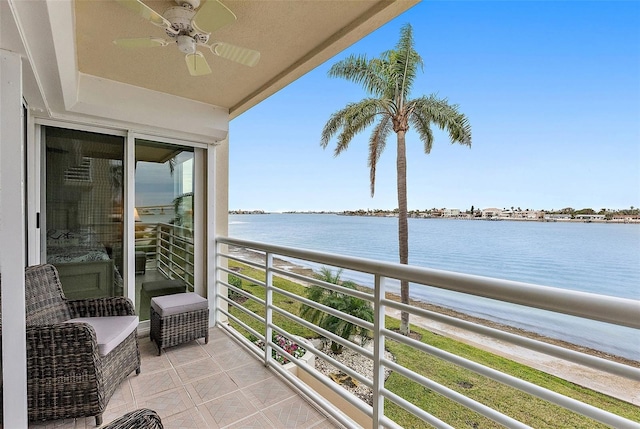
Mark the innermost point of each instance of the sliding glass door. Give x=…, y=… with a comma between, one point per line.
x=164, y=221
x=84, y=183
x=84, y=188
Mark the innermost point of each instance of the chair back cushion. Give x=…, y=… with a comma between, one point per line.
x=45, y=303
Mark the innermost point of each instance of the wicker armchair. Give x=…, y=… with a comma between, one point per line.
x=139, y=419
x=68, y=374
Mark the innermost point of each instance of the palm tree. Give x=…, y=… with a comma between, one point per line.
x=345, y=303
x=388, y=81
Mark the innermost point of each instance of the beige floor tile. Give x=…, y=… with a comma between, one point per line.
x=112, y=413
x=326, y=424
x=185, y=353
x=254, y=421
x=168, y=403
x=214, y=335
x=154, y=363
x=222, y=346
x=294, y=413
x=198, y=369
x=146, y=385
x=267, y=393
x=147, y=347
x=249, y=374
x=231, y=360
x=227, y=409
x=122, y=396
x=209, y=388
x=55, y=424
x=189, y=419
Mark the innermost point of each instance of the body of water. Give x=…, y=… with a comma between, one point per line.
x=590, y=257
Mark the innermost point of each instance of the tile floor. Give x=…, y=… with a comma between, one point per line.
x=210, y=386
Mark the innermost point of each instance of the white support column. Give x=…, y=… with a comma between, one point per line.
x=218, y=219
x=12, y=261
x=129, y=170
x=199, y=239
x=32, y=188
x=211, y=248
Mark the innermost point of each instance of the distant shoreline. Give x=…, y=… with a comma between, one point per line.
x=605, y=221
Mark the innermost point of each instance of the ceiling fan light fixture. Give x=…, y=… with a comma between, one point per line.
x=186, y=44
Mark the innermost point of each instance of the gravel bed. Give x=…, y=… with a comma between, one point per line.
x=356, y=362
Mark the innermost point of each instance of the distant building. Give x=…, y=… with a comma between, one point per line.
x=508, y=214
x=557, y=216
x=491, y=212
x=527, y=214
x=590, y=217
x=451, y=213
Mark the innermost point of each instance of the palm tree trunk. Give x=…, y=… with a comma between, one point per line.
x=403, y=227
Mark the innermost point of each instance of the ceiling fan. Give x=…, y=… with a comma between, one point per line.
x=189, y=25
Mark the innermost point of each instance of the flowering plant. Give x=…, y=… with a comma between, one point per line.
x=289, y=346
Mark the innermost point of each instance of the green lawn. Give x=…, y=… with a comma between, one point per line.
x=519, y=405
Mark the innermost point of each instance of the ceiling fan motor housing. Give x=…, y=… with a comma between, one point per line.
x=181, y=18
x=194, y=4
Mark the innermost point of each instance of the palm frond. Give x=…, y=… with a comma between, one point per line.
x=360, y=70
x=432, y=110
x=377, y=143
x=403, y=63
x=333, y=125
x=327, y=275
x=423, y=128
x=351, y=120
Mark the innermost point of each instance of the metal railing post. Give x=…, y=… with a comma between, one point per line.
x=213, y=291
x=158, y=245
x=378, y=350
x=268, y=301
x=171, y=250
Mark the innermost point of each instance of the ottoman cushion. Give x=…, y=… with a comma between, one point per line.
x=168, y=305
x=164, y=286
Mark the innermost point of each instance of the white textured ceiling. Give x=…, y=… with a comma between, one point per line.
x=293, y=36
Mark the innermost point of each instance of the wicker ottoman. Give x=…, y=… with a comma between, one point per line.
x=179, y=318
x=141, y=262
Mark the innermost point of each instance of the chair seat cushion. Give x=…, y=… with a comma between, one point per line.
x=168, y=305
x=110, y=330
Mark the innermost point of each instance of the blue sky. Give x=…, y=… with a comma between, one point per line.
x=552, y=91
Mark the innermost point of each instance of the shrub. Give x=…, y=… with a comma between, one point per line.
x=237, y=282
x=286, y=344
x=345, y=303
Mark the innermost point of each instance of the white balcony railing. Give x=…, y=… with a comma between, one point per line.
x=168, y=248
x=616, y=311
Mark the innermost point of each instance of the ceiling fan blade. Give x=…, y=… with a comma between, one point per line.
x=212, y=16
x=144, y=42
x=197, y=64
x=245, y=56
x=147, y=13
